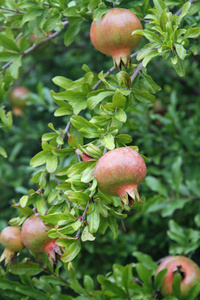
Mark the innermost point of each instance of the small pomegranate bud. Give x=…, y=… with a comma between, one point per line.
x=119, y=172
x=10, y=238
x=86, y=157
x=112, y=34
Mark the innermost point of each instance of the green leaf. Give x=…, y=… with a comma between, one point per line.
x=155, y=185
x=23, y=200
x=7, y=43
x=63, y=82
x=159, y=6
x=78, y=197
x=177, y=176
x=146, y=260
x=3, y=152
x=120, y=115
x=124, y=138
x=118, y=100
x=92, y=101
x=108, y=141
x=172, y=206
x=192, y=33
x=185, y=10
x=93, y=220
x=50, y=23
x=176, y=286
x=193, y=292
x=31, y=14
x=72, y=251
x=64, y=111
x=159, y=279
x=29, y=268
x=71, y=32
x=143, y=273
x=143, y=96
x=180, y=51
x=14, y=67
x=179, y=68
x=79, y=122
x=78, y=168
x=149, y=57
x=88, y=283
x=99, y=13
x=57, y=217
x=86, y=235
x=151, y=36
x=39, y=159
x=109, y=286
x=51, y=163
x=7, y=56
x=112, y=223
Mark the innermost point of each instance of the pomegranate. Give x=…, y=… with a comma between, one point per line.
x=189, y=271
x=35, y=237
x=10, y=238
x=119, y=172
x=86, y=157
x=112, y=34
x=18, y=98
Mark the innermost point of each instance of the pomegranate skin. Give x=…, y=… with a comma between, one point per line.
x=119, y=172
x=189, y=270
x=112, y=34
x=35, y=237
x=19, y=96
x=34, y=234
x=10, y=238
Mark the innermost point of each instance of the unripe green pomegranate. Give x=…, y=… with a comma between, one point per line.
x=112, y=34
x=119, y=172
x=10, y=238
x=188, y=269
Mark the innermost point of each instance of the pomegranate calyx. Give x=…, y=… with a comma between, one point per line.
x=179, y=270
x=53, y=250
x=129, y=197
x=8, y=255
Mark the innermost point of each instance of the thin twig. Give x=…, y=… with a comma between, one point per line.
x=83, y=219
x=111, y=70
x=26, y=52
x=14, y=27
x=13, y=10
x=136, y=71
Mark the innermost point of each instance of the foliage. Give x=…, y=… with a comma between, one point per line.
x=90, y=111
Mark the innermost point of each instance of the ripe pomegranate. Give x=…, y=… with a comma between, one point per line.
x=112, y=34
x=119, y=172
x=10, y=238
x=18, y=98
x=35, y=237
x=189, y=271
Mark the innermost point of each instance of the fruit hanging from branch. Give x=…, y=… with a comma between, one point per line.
x=35, y=237
x=119, y=172
x=188, y=270
x=18, y=98
x=10, y=238
x=112, y=34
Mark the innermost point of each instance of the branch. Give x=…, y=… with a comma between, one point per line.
x=13, y=10
x=14, y=27
x=26, y=52
x=110, y=71
x=83, y=219
x=136, y=71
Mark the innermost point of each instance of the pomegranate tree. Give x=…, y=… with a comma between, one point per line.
x=10, y=238
x=112, y=34
x=35, y=237
x=18, y=98
x=189, y=271
x=119, y=172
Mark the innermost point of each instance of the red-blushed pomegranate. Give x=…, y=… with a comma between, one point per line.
x=86, y=157
x=119, y=172
x=10, y=238
x=35, y=237
x=189, y=271
x=112, y=34
x=18, y=98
